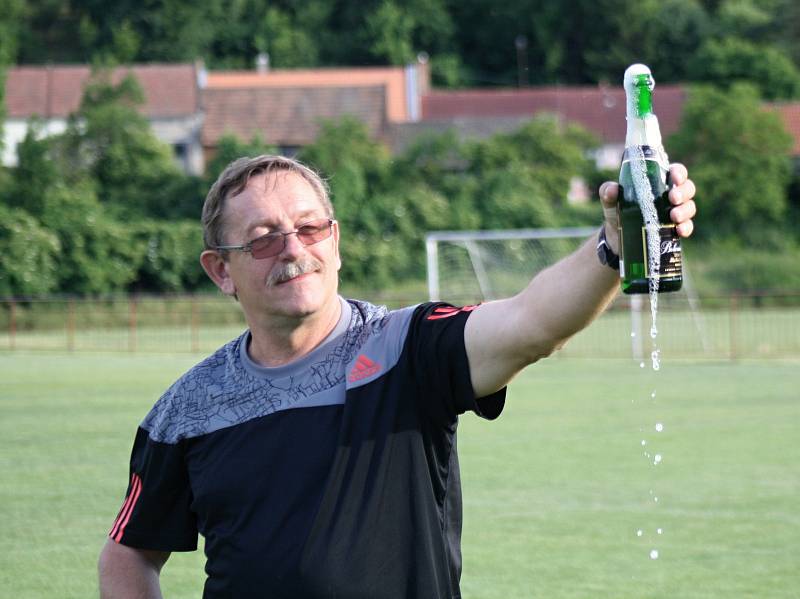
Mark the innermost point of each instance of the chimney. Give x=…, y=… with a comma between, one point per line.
x=262, y=63
x=201, y=73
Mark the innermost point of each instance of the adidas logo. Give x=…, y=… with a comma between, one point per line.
x=364, y=367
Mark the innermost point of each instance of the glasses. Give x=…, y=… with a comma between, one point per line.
x=273, y=243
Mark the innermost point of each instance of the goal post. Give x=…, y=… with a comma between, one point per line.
x=472, y=266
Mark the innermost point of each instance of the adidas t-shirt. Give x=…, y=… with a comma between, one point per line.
x=334, y=476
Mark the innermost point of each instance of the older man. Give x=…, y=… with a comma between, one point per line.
x=316, y=452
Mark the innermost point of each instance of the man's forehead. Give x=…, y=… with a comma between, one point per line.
x=280, y=182
x=268, y=198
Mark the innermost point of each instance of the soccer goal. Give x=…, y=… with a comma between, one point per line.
x=475, y=266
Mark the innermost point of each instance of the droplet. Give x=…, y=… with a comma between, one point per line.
x=641, y=364
x=657, y=458
x=653, y=332
x=654, y=554
x=653, y=395
x=659, y=427
x=659, y=530
x=639, y=533
x=644, y=442
x=633, y=334
x=655, y=499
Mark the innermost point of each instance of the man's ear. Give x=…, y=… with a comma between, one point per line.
x=336, y=246
x=217, y=270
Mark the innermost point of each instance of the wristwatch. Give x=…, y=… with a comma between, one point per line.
x=604, y=252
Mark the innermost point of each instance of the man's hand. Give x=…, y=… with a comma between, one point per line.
x=681, y=196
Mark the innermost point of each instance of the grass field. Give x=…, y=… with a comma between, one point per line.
x=554, y=491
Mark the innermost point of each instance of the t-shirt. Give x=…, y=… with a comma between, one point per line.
x=333, y=476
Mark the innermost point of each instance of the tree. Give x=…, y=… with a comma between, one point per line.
x=549, y=151
x=229, y=148
x=29, y=255
x=109, y=140
x=738, y=155
x=288, y=46
x=721, y=62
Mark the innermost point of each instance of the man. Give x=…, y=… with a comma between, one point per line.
x=316, y=452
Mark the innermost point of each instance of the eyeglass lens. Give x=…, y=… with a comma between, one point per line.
x=309, y=233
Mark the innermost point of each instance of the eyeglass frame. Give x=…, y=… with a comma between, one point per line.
x=248, y=247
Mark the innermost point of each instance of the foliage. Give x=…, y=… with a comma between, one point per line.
x=94, y=192
x=728, y=60
x=114, y=145
x=726, y=265
x=170, y=259
x=229, y=148
x=738, y=155
x=99, y=254
x=29, y=255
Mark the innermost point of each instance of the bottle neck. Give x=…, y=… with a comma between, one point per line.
x=643, y=129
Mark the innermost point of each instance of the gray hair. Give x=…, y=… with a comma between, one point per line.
x=235, y=178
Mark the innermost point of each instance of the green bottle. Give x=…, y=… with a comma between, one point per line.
x=644, y=206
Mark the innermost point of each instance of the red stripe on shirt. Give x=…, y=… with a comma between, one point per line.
x=133, y=497
x=124, y=509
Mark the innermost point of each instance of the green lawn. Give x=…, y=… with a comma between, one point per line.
x=554, y=491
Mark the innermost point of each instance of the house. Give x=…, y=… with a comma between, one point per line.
x=480, y=113
x=171, y=104
x=285, y=107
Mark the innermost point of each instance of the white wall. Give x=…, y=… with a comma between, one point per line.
x=15, y=130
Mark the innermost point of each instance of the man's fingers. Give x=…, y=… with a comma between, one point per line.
x=681, y=193
x=608, y=194
x=685, y=229
x=684, y=212
x=678, y=173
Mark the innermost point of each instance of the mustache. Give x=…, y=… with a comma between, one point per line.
x=290, y=270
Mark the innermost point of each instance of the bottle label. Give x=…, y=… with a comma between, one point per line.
x=671, y=264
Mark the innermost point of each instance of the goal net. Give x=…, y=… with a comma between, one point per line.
x=474, y=266
x=469, y=267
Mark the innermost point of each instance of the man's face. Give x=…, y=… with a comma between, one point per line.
x=298, y=281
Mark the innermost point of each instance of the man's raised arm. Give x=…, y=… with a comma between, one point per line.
x=504, y=336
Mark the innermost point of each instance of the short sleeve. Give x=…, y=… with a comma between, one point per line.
x=156, y=512
x=439, y=358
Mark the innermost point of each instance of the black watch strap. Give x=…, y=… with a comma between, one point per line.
x=604, y=252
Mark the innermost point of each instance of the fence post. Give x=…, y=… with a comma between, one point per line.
x=132, y=324
x=12, y=324
x=732, y=314
x=195, y=325
x=71, y=324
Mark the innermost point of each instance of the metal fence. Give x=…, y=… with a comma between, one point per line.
x=730, y=327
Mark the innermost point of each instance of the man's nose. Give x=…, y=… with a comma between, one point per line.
x=292, y=246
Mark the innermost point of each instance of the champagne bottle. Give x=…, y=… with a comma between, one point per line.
x=650, y=248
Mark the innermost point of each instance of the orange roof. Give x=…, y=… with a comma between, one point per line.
x=392, y=78
x=599, y=109
x=170, y=90
x=790, y=114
